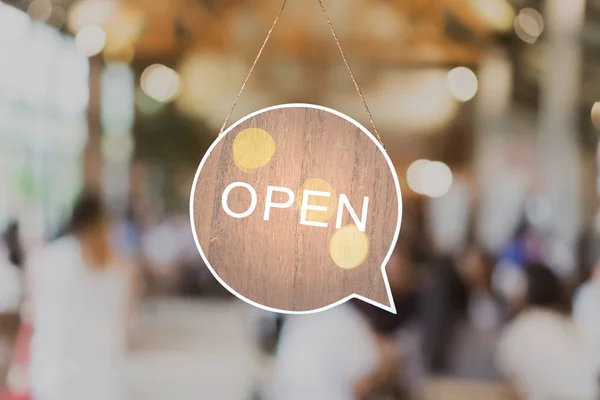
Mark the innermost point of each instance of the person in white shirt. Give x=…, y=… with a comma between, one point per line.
x=541, y=352
x=79, y=294
x=335, y=354
x=325, y=356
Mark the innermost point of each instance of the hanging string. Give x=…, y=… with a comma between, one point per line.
x=254, y=65
x=339, y=46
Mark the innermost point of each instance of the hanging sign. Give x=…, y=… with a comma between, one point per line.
x=297, y=208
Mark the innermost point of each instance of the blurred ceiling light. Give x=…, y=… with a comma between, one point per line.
x=40, y=10
x=596, y=115
x=413, y=175
x=90, y=40
x=529, y=25
x=462, y=83
x=499, y=14
x=436, y=179
x=160, y=82
x=90, y=12
x=123, y=29
x=57, y=17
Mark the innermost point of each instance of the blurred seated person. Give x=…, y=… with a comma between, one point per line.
x=344, y=353
x=541, y=352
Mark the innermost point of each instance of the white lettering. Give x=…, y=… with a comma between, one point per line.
x=253, y=200
x=306, y=207
x=344, y=202
x=269, y=200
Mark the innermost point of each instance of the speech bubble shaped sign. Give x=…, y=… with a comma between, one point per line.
x=297, y=208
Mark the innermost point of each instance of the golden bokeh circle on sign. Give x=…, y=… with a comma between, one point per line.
x=349, y=247
x=253, y=148
x=319, y=185
x=296, y=208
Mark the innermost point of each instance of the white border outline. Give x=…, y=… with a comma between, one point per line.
x=392, y=307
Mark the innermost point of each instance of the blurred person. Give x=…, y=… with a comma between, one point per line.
x=11, y=293
x=541, y=352
x=126, y=235
x=586, y=305
x=508, y=280
x=79, y=306
x=191, y=263
x=325, y=356
x=340, y=354
x=12, y=241
x=525, y=246
x=444, y=302
x=509, y=275
x=484, y=308
x=401, y=331
x=162, y=249
x=478, y=320
x=11, y=277
x=402, y=280
x=125, y=244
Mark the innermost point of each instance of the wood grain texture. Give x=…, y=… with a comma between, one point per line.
x=280, y=263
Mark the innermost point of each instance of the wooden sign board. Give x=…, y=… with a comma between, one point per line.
x=297, y=208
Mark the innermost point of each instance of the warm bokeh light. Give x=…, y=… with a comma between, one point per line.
x=462, y=83
x=90, y=40
x=413, y=175
x=161, y=83
x=123, y=30
x=40, y=10
x=529, y=25
x=596, y=115
x=499, y=14
x=90, y=13
x=349, y=247
x=436, y=179
x=402, y=100
x=253, y=148
x=331, y=202
x=212, y=80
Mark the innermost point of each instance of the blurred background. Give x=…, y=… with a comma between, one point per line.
x=486, y=108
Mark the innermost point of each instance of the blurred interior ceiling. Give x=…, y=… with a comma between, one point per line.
x=375, y=33
x=382, y=31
